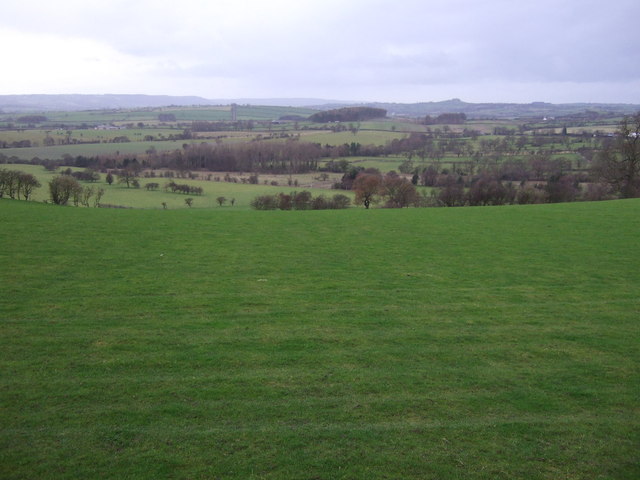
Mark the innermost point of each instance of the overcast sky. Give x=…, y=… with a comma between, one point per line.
x=371, y=50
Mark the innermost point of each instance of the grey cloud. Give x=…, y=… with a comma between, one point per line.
x=305, y=46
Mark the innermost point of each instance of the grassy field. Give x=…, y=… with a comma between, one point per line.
x=146, y=115
x=137, y=144
x=90, y=149
x=145, y=132
x=364, y=137
x=119, y=194
x=470, y=343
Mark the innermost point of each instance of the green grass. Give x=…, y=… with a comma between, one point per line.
x=85, y=135
x=384, y=164
x=119, y=194
x=208, y=113
x=91, y=149
x=364, y=137
x=474, y=343
x=243, y=194
x=138, y=146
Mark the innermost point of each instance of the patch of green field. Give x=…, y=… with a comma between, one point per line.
x=264, y=112
x=391, y=125
x=242, y=193
x=146, y=115
x=474, y=343
x=137, y=144
x=364, y=137
x=91, y=149
x=96, y=117
x=384, y=164
x=121, y=195
x=85, y=135
x=485, y=126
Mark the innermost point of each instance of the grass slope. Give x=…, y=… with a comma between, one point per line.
x=473, y=343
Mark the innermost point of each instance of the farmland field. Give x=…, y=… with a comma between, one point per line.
x=144, y=132
x=121, y=195
x=365, y=137
x=209, y=113
x=475, y=343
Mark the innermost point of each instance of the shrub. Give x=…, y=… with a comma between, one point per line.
x=284, y=201
x=597, y=191
x=320, y=203
x=62, y=188
x=528, y=195
x=265, y=202
x=340, y=201
x=299, y=201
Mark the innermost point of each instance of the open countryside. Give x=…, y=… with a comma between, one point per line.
x=452, y=160
x=192, y=334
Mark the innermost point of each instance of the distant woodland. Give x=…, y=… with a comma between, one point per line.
x=348, y=114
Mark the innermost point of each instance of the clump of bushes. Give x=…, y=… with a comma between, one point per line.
x=300, y=201
x=183, y=188
x=15, y=184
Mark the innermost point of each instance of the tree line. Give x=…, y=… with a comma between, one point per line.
x=17, y=184
x=445, y=118
x=348, y=114
x=536, y=179
x=300, y=201
x=65, y=188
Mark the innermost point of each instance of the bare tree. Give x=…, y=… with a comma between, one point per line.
x=98, y=196
x=62, y=188
x=398, y=191
x=85, y=195
x=28, y=184
x=618, y=164
x=367, y=186
x=15, y=183
x=127, y=177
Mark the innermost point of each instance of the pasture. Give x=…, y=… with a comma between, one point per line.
x=150, y=115
x=475, y=343
x=119, y=194
x=141, y=132
x=364, y=137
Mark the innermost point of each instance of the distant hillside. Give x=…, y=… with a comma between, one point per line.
x=51, y=103
x=502, y=110
x=48, y=103
x=44, y=103
x=282, y=102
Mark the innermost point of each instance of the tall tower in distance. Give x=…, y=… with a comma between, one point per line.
x=234, y=112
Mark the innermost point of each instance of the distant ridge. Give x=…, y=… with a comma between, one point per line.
x=499, y=110
x=283, y=102
x=74, y=102
x=45, y=103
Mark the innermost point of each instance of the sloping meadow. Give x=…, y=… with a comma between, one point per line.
x=497, y=342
